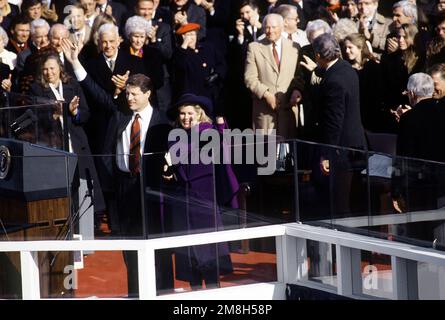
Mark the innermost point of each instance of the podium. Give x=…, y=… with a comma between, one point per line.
x=35, y=205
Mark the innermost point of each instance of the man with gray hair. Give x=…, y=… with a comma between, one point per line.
x=291, y=19
x=39, y=39
x=372, y=24
x=270, y=69
x=420, y=135
x=339, y=96
x=421, y=129
x=340, y=122
x=404, y=12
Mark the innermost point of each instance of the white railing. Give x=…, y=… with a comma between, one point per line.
x=292, y=261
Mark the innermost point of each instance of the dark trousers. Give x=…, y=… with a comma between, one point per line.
x=131, y=220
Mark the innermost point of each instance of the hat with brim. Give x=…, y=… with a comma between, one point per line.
x=188, y=27
x=190, y=99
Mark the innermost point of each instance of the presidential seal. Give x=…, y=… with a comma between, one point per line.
x=5, y=162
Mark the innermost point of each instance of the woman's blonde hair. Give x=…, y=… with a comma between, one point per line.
x=410, y=55
x=202, y=116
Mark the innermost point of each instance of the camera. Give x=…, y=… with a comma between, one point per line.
x=245, y=21
x=212, y=78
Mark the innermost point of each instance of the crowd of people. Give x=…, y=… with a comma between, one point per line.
x=321, y=70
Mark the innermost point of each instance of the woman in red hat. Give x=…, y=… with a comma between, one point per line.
x=198, y=67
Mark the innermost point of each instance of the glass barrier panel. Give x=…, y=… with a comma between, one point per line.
x=118, y=204
x=376, y=275
x=332, y=184
x=431, y=281
x=265, y=168
x=253, y=261
x=10, y=273
x=321, y=262
x=179, y=199
x=418, y=191
x=211, y=266
x=100, y=274
x=36, y=120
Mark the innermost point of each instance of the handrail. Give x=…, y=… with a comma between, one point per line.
x=290, y=240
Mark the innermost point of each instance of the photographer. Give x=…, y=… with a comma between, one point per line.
x=248, y=27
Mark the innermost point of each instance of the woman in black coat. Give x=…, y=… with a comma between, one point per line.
x=197, y=67
x=54, y=84
x=398, y=66
x=371, y=109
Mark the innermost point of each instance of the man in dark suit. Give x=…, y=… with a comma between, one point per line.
x=421, y=128
x=135, y=219
x=160, y=38
x=58, y=7
x=420, y=184
x=116, y=9
x=340, y=123
x=217, y=15
x=110, y=61
x=238, y=97
x=339, y=96
x=20, y=34
x=186, y=11
x=306, y=9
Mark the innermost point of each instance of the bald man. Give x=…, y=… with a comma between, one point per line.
x=270, y=68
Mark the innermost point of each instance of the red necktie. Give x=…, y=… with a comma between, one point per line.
x=275, y=55
x=135, y=146
x=289, y=36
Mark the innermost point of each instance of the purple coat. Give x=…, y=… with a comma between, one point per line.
x=195, y=208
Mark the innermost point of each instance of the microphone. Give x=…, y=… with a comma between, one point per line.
x=28, y=113
x=23, y=125
x=89, y=183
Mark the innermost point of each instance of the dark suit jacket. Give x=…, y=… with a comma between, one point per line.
x=163, y=14
x=98, y=69
x=100, y=72
x=156, y=143
x=191, y=69
x=118, y=10
x=152, y=61
x=195, y=14
x=77, y=134
x=421, y=131
x=60, y=6
x=164, y=41
x=340, y=107
x=306, y=13
x=6, y=23
x=216, y=25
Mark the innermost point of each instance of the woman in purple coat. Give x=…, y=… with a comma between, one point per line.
x=198, y=191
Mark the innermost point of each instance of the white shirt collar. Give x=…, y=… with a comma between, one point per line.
x=112, y=58
x=330, y=64
x=57, y=90
x=103, y=6
x=145, y=113
x=278, y=42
